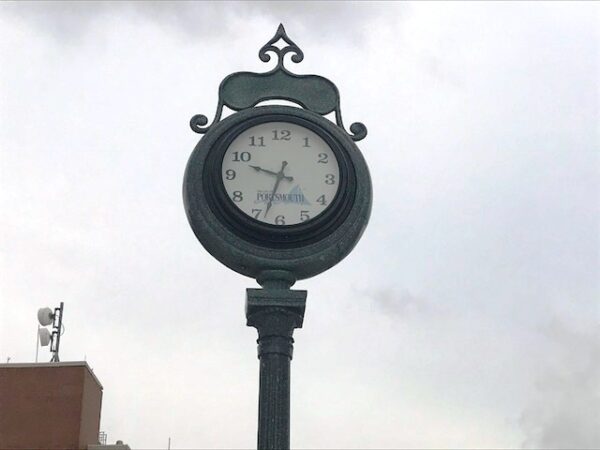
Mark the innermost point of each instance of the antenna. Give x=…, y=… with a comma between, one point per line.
x=37, y=342
x=48, y=317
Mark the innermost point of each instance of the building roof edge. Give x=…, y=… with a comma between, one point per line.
x=53, y=364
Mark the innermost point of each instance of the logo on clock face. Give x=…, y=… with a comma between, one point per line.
x=295, y=195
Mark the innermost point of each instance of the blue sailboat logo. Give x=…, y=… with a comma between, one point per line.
x=297, y=193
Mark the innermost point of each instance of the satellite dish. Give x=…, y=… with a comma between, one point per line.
x=45, y=316
x=45, y=336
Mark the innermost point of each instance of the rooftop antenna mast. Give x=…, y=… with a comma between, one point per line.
x=48, y=317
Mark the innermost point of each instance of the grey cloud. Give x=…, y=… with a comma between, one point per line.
x=484, y=223
x=398, y=302
x=565, y=412
x=69, y=21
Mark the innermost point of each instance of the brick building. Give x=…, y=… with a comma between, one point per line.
x=50, y=406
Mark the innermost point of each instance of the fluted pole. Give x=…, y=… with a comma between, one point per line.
x=275, y=313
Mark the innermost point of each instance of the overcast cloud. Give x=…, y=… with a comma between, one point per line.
x=467, y=316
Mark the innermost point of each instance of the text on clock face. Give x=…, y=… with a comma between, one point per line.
x=280, y=173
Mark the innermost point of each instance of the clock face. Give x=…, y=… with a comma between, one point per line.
x=280, y=173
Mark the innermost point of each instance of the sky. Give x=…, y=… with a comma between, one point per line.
x=466, y=317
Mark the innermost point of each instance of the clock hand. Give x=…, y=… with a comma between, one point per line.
x=270, y=172
x=260, y=169
x=280, y=176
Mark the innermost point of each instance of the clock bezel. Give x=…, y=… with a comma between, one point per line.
x=253, y=258
x=278, y=236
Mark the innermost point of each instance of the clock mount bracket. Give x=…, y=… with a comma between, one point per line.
x=243, y=90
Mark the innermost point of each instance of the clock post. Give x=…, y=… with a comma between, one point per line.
x=279, y=194
x=275, y=311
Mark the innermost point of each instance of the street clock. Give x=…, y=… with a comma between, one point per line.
x=277, y=191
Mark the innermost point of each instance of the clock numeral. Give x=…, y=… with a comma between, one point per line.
x=238, y=196
x=280, y=220
x=330, y=178
x=304, y=215
x=282, y=135
x=306, y=143
x=230, y=174
x=256, y=212
x=323, y=158
x=243, y=156
x=254, y=140
x=322, y=200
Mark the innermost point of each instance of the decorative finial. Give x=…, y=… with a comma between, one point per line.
x=291, y=47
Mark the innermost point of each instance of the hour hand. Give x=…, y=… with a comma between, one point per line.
x=270, y=172
x=260, y=169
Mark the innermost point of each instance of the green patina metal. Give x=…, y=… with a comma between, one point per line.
x=244, y=90
x=276, y=257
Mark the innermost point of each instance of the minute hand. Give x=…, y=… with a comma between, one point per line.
x=280, y=176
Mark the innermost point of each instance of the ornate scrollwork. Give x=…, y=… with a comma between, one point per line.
x=358, y=130
x=291, y=47
x=242, y=90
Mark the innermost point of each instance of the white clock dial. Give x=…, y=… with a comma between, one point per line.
x=280, y=173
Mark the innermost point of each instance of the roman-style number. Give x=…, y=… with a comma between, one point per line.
x=254, y=140
x=230, y=174
x=280, y=220
x=282, y=135
x=329, y=178
x=322, y=200
x=243, y=156
x=304, y=215
x=323, y=158
x=306, y=143
x=256, y=212
x=238, y=196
